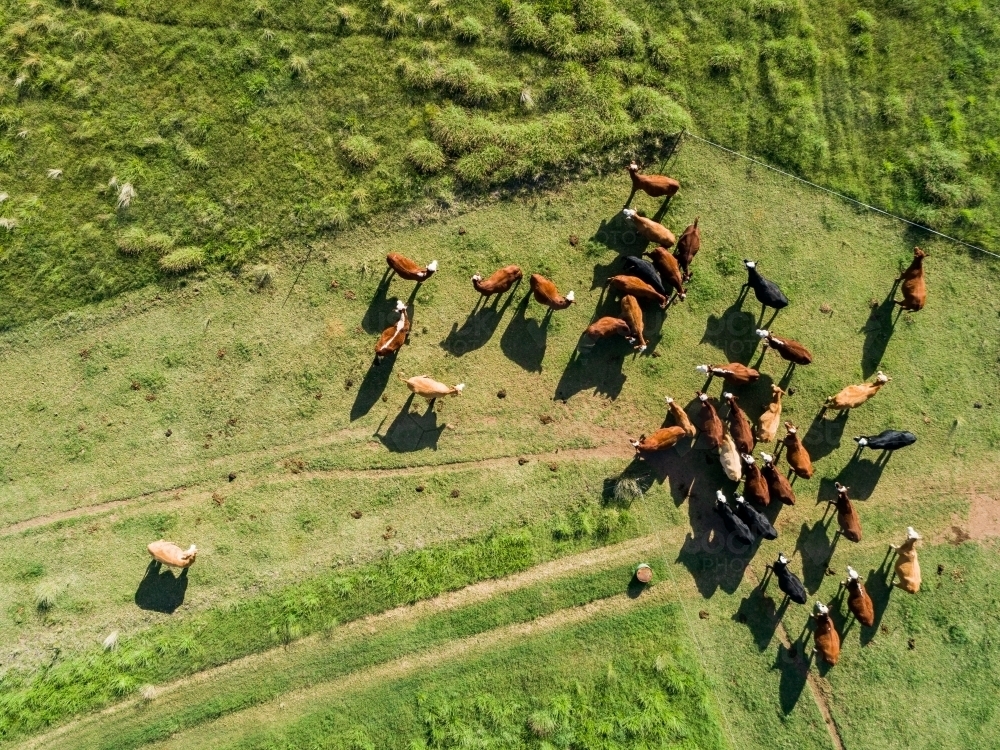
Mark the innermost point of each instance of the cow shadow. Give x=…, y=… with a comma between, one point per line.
x=879, y=587
x=597, y=366
x=815, y=549
x=757, y=612
x=478, y=327
x=878, y=330
x=618, y=234
x=861, y=476
x=412, y=431
x=525, y=339
x=793, y=669
x=373, y=386
x=824, y=435
x=734, y=332
x=376, y=317
x=160, y=590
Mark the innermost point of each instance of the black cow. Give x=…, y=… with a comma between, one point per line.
x=643, y=269
x=754, y=519
x=766, y=291
x=733, y=524
x=888, y=440
x=788, y=582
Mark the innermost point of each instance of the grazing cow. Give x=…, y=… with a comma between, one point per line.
x=663, y=438
x=649, y=230
x=171, y=554
x=754, y=486
x=789, y=349
x=770, y=420
x=797, y=455
x=907, y=565
x=643, y=269
x=681, y=417
x=788, y=582
x=734, y=525
x=778, y=486
x=546, y=293
x=858, y=600
x=637, y=288
x=653, y=185
x=853, y=396
x=669, y=271
x=734, y=373
x=632, y=315
x=826, y=637
x=430, y=389
x=755, y=520
x=766, y=291
x=739, y=425
x=887, y=440
x=711, y=425
x=408, y=269
x=394, y=336
x=914, y=287
x=608, y=326
x=498, y=282
x=687, y=247
x=847, y=516
x=729, y=457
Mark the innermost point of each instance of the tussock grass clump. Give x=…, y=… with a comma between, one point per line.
x=183, y=259
x=360, y=151
x=793, y=55
x=263, y=275
x=132, y=241
x=464, y=79
x=299, y=67
x=159, y=241
x=126, y=194
x=861, y=21
x=426, y=156
x=725, y=58
x=45, y=596
x=469, y=30
x=663, y=52
x=422, y=75
x=627, y=491
x=111, y=642
x=656, y=113
x=526, y=28
x=347, y=16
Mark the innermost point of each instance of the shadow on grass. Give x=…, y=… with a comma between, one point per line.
x=372, y=387
x=525, y=339
x=757, y=612
x=598, y=367
x=160, y=590
x=411, y=430
x=860, y=476
x=878, y=330
x=824, y=435
x=793, y=675
x=734, y=333
x=377, y=315
x=478, y=328
x=879, y=587
x=815, y=549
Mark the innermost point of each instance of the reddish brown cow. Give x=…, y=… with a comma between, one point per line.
x=394, y=336
x=637, y=288
x=789, y=349
x=608, y=326
x=498, y=282
x=798, y=456
x=914, y=287
x=777, y=484
x=547, y=294
x=632, y=315
x=826, y=637
x=847, y=517
x=650, y=230
x=739, y=425
x=687, y=247
x=858, y=600
x=711, y=425
x=653, y=185
x=754, y=487
x=670, y=271
x=663, y=438
x=408, y=269
x=734, y=373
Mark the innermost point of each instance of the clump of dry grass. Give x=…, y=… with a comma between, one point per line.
x=183, y=259
x=126, y=194
x=627, y=491
x=132, y=241
x=263, y=275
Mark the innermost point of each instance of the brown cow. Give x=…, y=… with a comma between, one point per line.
x=663, y=438
x=670, y=271
x=546, y=293
x=754, y=487
x=858, y=600
x=632, y=315
x=777, y=484
x=168, y=553
x=789, y=349
x=914, y=287
x=637, y=288
x=770, y=420
x=854, y=395
x=798, y=456
x=653, y=185
x=394, y=336
x=687, y=247
x=408, y=269
x=652, y=231
x=681, y=417
x=734, y=373
x=847, y=516
x=498, y=282
x=907, y=564
x=739, y=425
x=608, y=326
x=711, y=425
x=826, y=636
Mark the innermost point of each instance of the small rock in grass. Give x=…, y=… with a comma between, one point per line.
x=461, y=230
x=574, y=240
x=168, y=433
x=522, y=461
x=385, y=399
x=501, y=393
x=420, y=488
x=977, y=405
x=355, y=514
x=545, y=419
x=553, y=467
x=232, y=476
x=703, y=614
x=454, y=493
x=825, y=309
x=350, y=295
x=912, y=643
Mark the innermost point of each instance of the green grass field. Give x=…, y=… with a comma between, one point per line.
x=190, y=358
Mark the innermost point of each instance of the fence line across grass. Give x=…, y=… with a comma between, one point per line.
x=876, y=209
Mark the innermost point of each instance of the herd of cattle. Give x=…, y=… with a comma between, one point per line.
x=661, y=281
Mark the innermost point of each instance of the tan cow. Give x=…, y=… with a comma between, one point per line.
x=907, y=564
x=171, y=554
x=430, y=389
x=853, y=396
